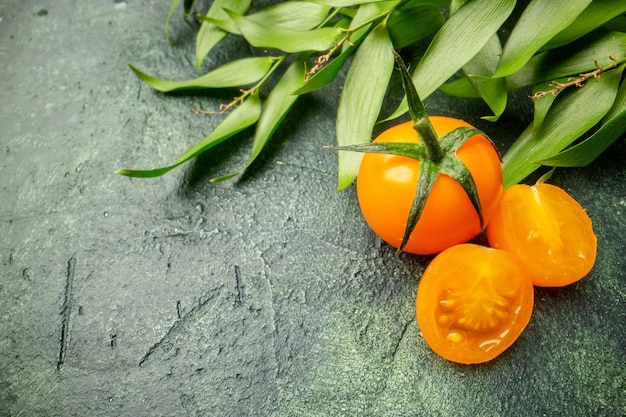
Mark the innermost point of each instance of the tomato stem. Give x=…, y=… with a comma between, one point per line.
x=429, y=138
x=421, y=122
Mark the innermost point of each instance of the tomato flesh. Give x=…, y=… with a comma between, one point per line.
x=473, y=302
x=548, y=230
x=386, y=186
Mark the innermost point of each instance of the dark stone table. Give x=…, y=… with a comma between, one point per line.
x=263, y=296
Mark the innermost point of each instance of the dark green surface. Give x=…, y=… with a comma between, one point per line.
x=262, y=296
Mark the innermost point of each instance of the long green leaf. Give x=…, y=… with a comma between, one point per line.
x=209, y=34
x=596, y=14
x=572, y=114
x=619, y=105
x=613, y=127
x=576, y=58
x=534, y=28
x=492, y=90
x=408, y=25
x=170, y=13
x=617, y=24
x=328, y=73
x=225, y=25
x=369, y=15
x=453, y=45
x=242, y=117
x=460, y=87
x=292, y=15
x=276, y=107
x=541, y=106
x=588, y=150
x=344, y=3
x=233, y=74
x=285, y=40
x=361, y=99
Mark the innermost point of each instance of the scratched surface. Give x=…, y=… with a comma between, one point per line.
x=265, y=296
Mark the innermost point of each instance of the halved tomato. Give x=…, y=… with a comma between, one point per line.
x=547, y=230
x=473, y=302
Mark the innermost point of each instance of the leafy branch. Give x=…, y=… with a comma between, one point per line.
x=577, y=43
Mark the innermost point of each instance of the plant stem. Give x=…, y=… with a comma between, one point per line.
x=330, y=17
x=383, y=15
x=421, y=122
x=579, y=81
x=429, y=138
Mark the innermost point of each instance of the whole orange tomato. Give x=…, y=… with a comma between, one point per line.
x=547, y=230
x=473, y=302
x=386, y=186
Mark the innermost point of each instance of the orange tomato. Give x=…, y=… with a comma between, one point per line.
x=547, y=230
x=386, y=186
x=473, y=302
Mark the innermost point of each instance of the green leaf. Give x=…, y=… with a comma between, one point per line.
x=233, y=74
x=330, y=70
x=344, y=3
x=242, y=117
x=416, y=151
x=454, y=45
x=534, y=28
x=456, y=5
x=588, y=150
x=573, y=113
x=210, y=34
x=492, y=90
x=225, y=25
x=170, y=13
x=440, y=4
x=613, y=127
x=292, y=15
x=408, y=25
x=576, y=58
x=367, y=15
x=461, y=87
x=278, y=103
x=361, y=99
x=617, y=24
x=594, y=16
x=542, y=105
x=285, y=40
x=619, y=105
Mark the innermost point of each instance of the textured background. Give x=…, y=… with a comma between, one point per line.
x=266, y=295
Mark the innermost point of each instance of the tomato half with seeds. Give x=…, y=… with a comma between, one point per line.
x=386, y=186
x=548, y=230
x=473, y=302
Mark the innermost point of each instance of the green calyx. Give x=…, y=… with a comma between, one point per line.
x=436, y=155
